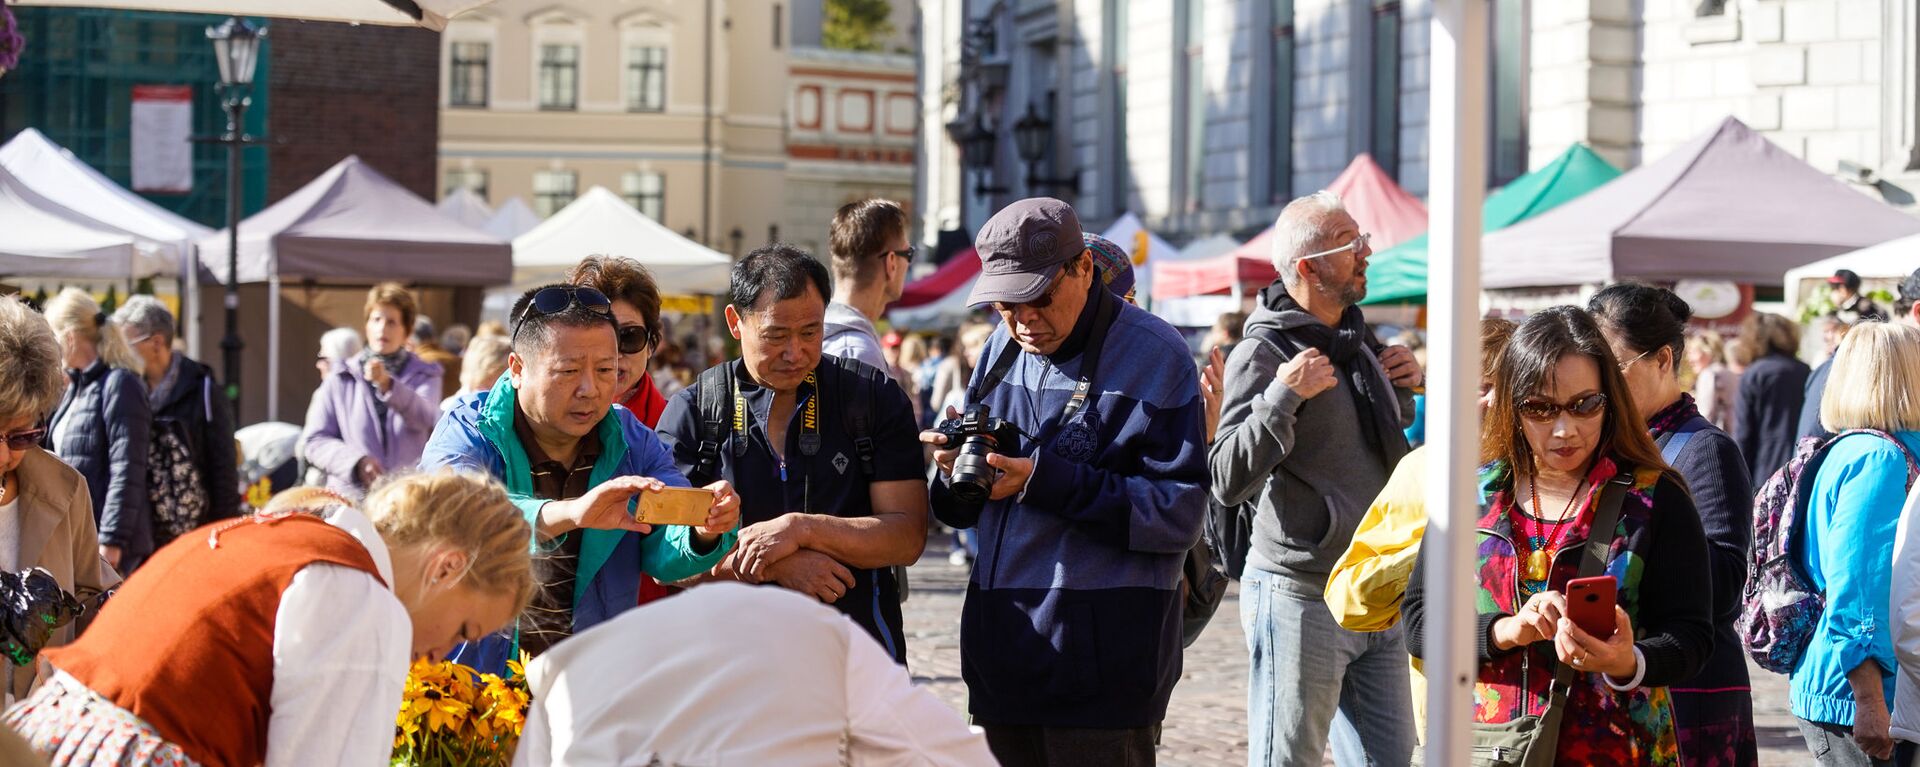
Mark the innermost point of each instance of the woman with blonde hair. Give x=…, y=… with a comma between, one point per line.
x=292, y=647
x=102, y=425
x=45, y=511
x=1842, y=687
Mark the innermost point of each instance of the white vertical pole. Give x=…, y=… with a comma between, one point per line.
x=1458, y=157
x=273, y=343
x=189, y=325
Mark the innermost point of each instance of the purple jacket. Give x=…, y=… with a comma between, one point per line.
x=343, y=423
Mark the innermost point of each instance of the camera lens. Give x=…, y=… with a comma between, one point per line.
x=972, y=476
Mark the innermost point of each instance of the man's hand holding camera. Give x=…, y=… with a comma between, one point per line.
x=1011, y=473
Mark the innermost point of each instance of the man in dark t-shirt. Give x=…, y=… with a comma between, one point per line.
x=822, y=515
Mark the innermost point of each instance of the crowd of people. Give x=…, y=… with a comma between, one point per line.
x=567, y=487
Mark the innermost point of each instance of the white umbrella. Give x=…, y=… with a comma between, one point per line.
x=432, y=14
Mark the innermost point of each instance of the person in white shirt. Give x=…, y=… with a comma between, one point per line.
x=870, y=255
x=1904, y=616
x=728, y=673
x=306, y=626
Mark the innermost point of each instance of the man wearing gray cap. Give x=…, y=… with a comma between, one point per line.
x=1086, y=501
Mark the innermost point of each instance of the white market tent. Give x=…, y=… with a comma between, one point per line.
x=432, y=14
x=1126, y=232
x=600, y=222
x=467, y=208
x=45, y=239
x=55, y=173
x=353, y=225
x=1893, y=260
x=513, y=219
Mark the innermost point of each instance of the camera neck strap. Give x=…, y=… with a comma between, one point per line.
x=809, y=417
x=1106, y=308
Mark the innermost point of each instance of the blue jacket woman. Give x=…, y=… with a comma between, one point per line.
x=1843, y=687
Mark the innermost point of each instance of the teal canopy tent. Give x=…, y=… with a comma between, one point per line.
x=1399, y=274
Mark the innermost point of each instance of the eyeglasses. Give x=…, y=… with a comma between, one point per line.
x=1543, y=410
x=21, y=440
x=1359, y=242
x=634, y=338
x=906, y=254
x=1045, y=300
x=1629, y=363
x=560, y=298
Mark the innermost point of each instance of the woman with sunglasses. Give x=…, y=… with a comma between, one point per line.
x=46, y=514
x=374, y=412
x=1561, y=427
x=1647, y=329
x=636, y=317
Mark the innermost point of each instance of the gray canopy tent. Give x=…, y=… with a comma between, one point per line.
x=1728, y=205
x=351, y=226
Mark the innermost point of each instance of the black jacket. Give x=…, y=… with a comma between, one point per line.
x=1768, y=406
x=1723, y=494
x=101, y=429
x=196, y=407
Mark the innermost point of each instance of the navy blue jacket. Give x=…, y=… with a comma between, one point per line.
x=1723, y=495
x=1768, y=413
x=1073, y=611
x=101, y=429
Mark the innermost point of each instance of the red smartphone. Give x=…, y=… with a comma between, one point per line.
x=1590, y=605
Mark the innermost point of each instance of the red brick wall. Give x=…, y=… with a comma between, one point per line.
x=339, y=89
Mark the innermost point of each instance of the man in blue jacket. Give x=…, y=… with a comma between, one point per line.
x=1070, y=637
x=574, y=463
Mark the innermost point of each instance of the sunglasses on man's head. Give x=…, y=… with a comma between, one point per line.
x=559, y=298
x=1536, y=409
x=21, y=440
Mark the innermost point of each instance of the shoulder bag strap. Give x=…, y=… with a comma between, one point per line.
x=1593, y=559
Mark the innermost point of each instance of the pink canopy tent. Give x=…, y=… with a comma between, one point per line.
x=1377, y=203
x=953, y=276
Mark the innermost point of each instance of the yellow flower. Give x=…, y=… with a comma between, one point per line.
x=446, y=712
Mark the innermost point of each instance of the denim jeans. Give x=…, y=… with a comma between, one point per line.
x=1832, y=745
x=1312, y=680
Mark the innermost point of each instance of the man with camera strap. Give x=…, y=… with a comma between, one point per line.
x=821, y=451
x=1086, y=499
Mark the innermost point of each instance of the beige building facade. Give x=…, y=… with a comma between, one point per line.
x=723, y=119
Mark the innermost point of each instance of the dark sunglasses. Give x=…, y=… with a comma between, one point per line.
x=560, y=298
x=1045, y=300
x=21, y=440
x=906, y=254
x=634, y=338
x=1584, y=407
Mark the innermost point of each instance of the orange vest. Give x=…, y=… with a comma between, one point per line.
x=187, y=643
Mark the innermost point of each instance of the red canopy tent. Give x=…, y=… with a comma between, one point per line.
x=1377, y=203
x=956, y=274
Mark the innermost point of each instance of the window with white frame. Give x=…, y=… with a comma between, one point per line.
x=553, y=190
x=559, y=76
x=1384, y=134
x=467, y=178
x=467, y=70
x=646, y=192
x=646, y=78
x=1196, y=107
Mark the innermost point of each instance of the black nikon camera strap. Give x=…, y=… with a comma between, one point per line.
x=1103, y=316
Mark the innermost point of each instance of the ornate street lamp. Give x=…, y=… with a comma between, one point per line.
x=976, y=152
x=1033, y=138
x=236, y=49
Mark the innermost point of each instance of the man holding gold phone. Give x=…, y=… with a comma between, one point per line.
x=575, y=464
x=824, y=450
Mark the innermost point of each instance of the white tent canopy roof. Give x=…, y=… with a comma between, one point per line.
x=599, y=222
x=467, y=208
x=354, y=225
x=1893, y=259
x=513, y=219
x=56, y=174
x=44, y=239
x=432, y=14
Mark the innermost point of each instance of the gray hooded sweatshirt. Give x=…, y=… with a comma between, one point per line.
x=1304, y=462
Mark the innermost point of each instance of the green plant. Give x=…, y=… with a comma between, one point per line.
x=857, y=25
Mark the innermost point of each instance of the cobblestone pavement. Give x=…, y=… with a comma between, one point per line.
x=1206, y=722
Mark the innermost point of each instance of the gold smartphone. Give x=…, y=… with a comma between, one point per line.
x=674, y=506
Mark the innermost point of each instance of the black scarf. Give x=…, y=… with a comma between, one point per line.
x=1367, y=382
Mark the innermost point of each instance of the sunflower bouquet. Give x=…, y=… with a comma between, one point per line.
x=454, y=716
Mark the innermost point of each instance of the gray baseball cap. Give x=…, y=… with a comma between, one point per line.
x=1022, y=247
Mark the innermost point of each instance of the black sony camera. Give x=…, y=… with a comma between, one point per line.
x=978, y=434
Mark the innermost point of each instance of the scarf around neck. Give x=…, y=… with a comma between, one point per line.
x=1371, y=391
